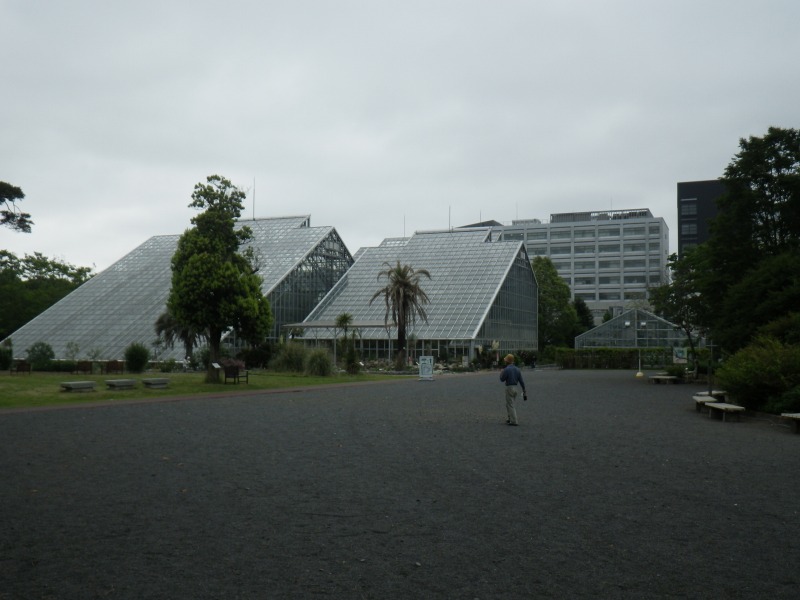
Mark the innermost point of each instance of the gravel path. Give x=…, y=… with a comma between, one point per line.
x=609, y=488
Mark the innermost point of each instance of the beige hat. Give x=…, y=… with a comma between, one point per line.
x=509, y=358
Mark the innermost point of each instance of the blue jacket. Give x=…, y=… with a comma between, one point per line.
x=512, y=376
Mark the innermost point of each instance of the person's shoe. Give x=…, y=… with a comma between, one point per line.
x=513, y=424
x=508, y=421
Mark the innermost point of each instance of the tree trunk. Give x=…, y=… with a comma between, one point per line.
x=214, y=343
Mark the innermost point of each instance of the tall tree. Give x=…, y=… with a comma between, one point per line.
x=557, y=316
x=214, y=285
x=404, y=298
x=10, y=216
x=758, y=219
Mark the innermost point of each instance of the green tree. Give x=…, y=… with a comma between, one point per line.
x=584, y=315
x=405, y=300
x=10, y=216
x=680, y=301
x=30, y=285
x=215, y=286
x=557, y=317
x=758, y=220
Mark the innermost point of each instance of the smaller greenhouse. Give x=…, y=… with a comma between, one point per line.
x=635, y=328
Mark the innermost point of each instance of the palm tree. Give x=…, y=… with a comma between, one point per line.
x=404, y=298
x=173, y=331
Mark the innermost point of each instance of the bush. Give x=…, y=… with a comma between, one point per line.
x=763, y=376
x=40, y=355
x=319, y=363
x=136, y=357
x=291, y=357
x=351, y=360
x=6, y=357
x=169, y=366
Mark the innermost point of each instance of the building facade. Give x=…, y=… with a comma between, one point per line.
x=697, y=206
x=610, y=259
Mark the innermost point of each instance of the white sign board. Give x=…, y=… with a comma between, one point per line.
x=426, y=367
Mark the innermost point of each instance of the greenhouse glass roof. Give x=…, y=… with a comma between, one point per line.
x=120, y=305
x=635, y=328
x=467, y=273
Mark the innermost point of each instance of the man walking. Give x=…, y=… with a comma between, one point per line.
x=512, y=376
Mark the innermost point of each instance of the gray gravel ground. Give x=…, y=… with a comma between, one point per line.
x=609, y=488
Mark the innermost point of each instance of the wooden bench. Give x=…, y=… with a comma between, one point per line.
x=121, y=384
x=77, y=386
x=663, y=379
x=84, y=366
x=156, y=382
x=795, y=418
x=722, y=409
x=115, y=366
x=21, y=366
x=236, y=374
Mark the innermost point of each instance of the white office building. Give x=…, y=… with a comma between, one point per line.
x=609, y=258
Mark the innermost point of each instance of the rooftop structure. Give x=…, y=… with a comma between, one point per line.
x=697, y=206
x=482, y=292
x=119, y=306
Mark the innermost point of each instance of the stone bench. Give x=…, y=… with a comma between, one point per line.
x=663, y=379
x=795, y=418
x=700, y=401
x=121, y=384
x=722, y=409
x=156, y=382
x=77, y=386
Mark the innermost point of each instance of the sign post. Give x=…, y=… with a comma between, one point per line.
x=426, y=368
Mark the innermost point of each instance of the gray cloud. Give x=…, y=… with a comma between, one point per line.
x=377, y=118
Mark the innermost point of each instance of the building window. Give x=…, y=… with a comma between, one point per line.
x=635, y=279
x=560, y=250
x=584, y=264
x=635, y=295
x=633, y=231
x=585, y=295
x=537, y=235
x=584, y=249
x=655, y=229
x=584, y=281
x=634, y=247
x=606, y=232
x=538, y=251
x=605, y=249
x=513, y=235
x=561, y=235
x=584, y=233
x=688, y=228
x=609, y=295
x=561, y=266
x=634, y=264
x=609, y=280
x=609, y=264
x=689, y=207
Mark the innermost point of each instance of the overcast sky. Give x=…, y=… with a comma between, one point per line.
x=378, y=118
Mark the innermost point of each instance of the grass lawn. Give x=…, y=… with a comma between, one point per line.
x=44, y=389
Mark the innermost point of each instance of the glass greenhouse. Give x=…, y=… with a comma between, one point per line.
x=635, y=328
x=482, y=292
x=299, y=264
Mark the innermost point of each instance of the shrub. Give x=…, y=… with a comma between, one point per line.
x=351, y=361
x=6, y=357
x=40, y=355
x=136, y=357
x=291, y=357
x=169, y=366
x=763, y=376
x=319, y=363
